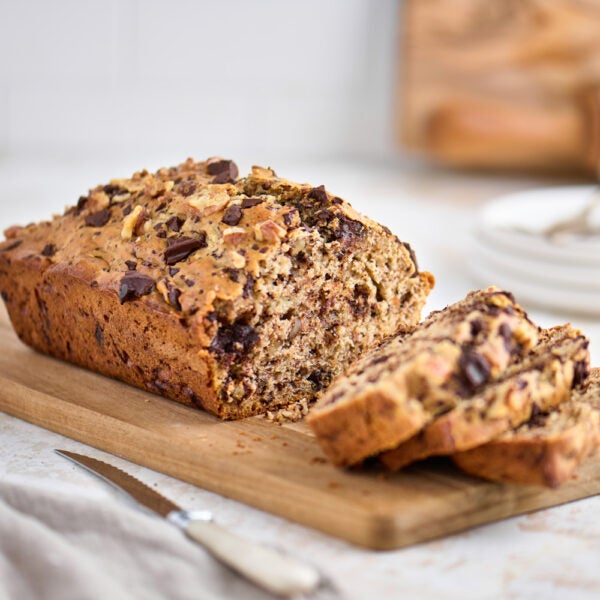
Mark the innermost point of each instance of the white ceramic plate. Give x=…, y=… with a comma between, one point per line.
x=515, y=223
x=557, y=297
x=581, y=276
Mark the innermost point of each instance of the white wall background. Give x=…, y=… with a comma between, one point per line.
x=269, y=79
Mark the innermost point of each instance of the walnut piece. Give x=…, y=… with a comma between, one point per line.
x=233, y=235
x=134, y=222
x=269, y=231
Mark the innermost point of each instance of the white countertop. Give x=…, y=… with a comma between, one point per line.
x=553, y=553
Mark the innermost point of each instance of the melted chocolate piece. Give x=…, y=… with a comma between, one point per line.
x=12, y=246
x=234, y=339
x=225, y=171
x=248, y=286
x=135, y=285
x=250, y=202
x=49, y=250
x=475, y=368
x=179, y=249
x=319, y=194
x=99, y=333
x=233, y=215
x=131, y=265
x=175, y=223
x=98, y=219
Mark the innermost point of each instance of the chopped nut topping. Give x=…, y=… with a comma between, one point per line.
x=134, y=222
x=210, y=201
x=262, y=173
x=13, y=232
x=237, y=260
x=233, y=235
x=269, y=231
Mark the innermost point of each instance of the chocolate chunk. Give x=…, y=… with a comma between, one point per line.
x=99, y=333
x=175, y=223
x=507, y=336
x=173, y=271
x=233, y=215
x=162, y=234
x=114, y=190
x=98, y=219
x=319, y=379
x=250, y=202
x=319, y=194
x=48, y=250
x=173, y=295
x=475, y=368
x=186, y=188
x=131, y=265
x=248, y=286
x=189, y=282
x=135, y=285
x=234, y=339
x=225, y=171
x=288, y=217
x=412, y=254
x=12, y=246
x=234, y=274
x=581, y=372
x=346, y=229
x=179, y=249
x=477, y=326
x=127, y=210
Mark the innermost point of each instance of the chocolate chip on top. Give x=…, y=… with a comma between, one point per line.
x=225, y=171
x=134, y=285
x=98, y=219
x=179, y=249
x=233, y=215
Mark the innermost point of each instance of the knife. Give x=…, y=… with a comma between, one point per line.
x=266, y=567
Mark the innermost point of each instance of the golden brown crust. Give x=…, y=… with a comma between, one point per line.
x=420, y=375
x=545, y=451
x=237, y=295
x=540, y=381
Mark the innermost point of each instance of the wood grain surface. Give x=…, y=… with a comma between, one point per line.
x=279, y=469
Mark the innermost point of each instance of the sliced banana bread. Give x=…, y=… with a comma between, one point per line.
x=402, y=385
x=548, y=448
x=541, y=380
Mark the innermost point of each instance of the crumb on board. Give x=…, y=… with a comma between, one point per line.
x=290, y=414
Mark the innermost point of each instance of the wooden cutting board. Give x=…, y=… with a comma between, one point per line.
x=279, y=469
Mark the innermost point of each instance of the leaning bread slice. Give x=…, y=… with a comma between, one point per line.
x=548, y=448
x=398, y=388
x=542, y=380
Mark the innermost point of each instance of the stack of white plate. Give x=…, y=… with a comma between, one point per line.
x=512, y=248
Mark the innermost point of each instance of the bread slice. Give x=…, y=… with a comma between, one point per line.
x=538, y=382
x=398, y=388
x=548, y=448
x=236, y=295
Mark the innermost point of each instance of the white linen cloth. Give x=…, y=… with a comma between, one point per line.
x=60, y=546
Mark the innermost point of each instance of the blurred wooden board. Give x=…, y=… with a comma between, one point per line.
x=279, y=469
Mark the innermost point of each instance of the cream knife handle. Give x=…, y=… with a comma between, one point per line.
x=266, y=567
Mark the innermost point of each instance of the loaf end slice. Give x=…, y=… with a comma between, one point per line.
x=399, y=387
x=548, y=448
x=541, y=380
x=236, y=295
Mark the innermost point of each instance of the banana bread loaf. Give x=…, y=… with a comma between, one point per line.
x=541, y=380
x=237, y=295
x=548, y=448
x=405, y=383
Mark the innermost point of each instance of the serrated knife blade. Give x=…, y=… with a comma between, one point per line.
x=266, y=567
